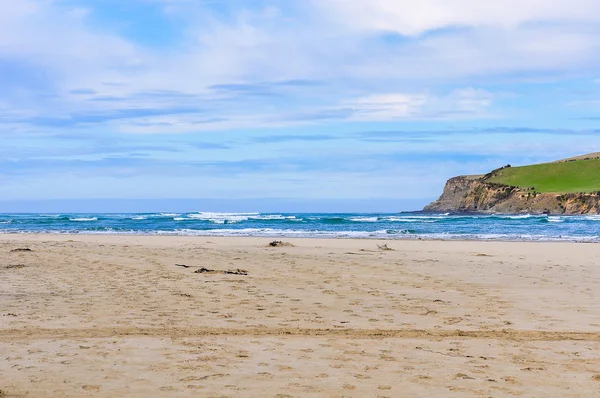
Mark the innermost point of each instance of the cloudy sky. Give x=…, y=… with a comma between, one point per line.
x=324, y=101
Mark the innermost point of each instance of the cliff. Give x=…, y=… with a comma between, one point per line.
x=474, y=194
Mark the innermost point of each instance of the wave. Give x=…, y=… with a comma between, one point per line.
x=520, y=216
x=276, y=232
x=84, y=219
x=446, y=216
x=513, y=237
x=139, y=218
x=364, y=219
x=165, y=215
x=592, y=217
x=347, y=234
x=374, y=219
x=231, y=218
x=413, y=219
x=274, y=217
x=5, y=221
x=217, y=214
x=222, y=218
x=234, y=218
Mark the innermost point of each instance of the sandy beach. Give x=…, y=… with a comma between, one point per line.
x=144, y=316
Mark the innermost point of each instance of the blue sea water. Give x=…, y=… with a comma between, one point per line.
x=375, y=226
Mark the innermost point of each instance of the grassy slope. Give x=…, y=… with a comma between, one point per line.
x=564, y=177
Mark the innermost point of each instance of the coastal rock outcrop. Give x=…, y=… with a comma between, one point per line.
x=472, y=194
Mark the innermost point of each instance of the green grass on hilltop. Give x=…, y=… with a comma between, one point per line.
x=563, y=177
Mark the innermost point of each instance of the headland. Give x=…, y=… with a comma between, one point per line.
x=565, y=187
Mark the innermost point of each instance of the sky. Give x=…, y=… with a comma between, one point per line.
x=367, y=104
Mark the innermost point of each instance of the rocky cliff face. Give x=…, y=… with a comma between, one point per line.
x=468, y=194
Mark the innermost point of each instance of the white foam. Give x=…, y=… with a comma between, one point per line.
x=269, y=232
x=364, y=219
x=84, y=219
x=223, y=218
x=139, y=218
x=413, y=219
x=418, y=217
x=271, y=217
x=520, y=216
x=379, y=234
x=511, y=237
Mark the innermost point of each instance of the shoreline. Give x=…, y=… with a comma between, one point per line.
x=287, y=237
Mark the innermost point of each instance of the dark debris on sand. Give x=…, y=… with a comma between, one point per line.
x=204, y=270
x=18, y=250
x=15, y=266
x=384, y=247
x=238, y=271
x=279, y=243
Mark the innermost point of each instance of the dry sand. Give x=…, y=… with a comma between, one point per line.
x=112, y=316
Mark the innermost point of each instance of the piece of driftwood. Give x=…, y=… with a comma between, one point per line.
x=15, y=266
x=204, y=270
x=238, y=271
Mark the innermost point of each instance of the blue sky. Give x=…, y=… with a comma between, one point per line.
x=369, y=102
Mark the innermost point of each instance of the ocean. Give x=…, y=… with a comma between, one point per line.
x=319, y=225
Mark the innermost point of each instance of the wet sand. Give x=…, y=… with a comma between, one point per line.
x=109, y=316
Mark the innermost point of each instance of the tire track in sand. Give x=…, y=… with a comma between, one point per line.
x=508, y=334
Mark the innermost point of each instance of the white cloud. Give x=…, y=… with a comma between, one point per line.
x=467, y=37
x=471, y=99
x=261, y=45
x=460, y=104
x=413, y=18
x=465, y=103
x=387, y=106
x=55, y=34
